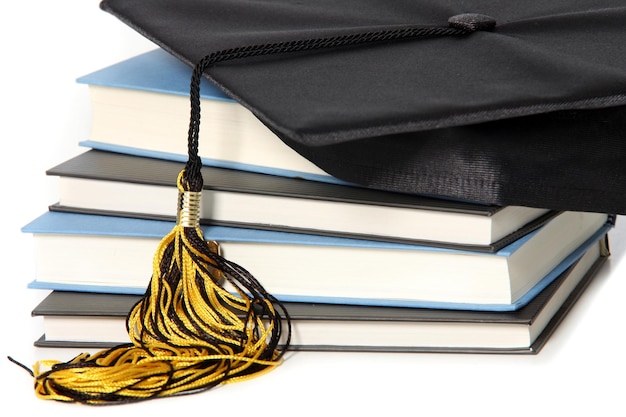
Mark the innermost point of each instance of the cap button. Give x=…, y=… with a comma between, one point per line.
x=472, y=22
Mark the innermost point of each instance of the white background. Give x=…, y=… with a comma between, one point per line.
x=45, y=47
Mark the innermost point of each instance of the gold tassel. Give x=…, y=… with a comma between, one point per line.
x=188, y=333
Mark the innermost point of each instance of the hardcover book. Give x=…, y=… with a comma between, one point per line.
x=92, y=320
x=109, y=183
x=114, y=254
x=140, y=106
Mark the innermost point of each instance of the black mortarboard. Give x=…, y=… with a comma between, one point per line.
x=511, y=102
x=529, y=112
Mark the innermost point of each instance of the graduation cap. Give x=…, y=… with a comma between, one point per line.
x=525, y=108
x=508, y=103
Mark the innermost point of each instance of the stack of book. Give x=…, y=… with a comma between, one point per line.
x=358, y=269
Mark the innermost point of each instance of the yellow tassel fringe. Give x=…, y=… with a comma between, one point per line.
x=188, y=333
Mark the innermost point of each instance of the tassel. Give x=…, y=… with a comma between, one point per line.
x=188, y=332
x=203, y=320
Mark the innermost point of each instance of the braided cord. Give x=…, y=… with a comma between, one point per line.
x=194, y=163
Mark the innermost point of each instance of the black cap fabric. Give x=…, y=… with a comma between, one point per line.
x=527, y=108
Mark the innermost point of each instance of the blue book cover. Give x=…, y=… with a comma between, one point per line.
x=155, y=71
x=70, y=224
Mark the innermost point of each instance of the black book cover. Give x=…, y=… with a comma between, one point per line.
x=115, y=167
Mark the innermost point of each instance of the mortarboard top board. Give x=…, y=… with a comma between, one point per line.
x=529, y=112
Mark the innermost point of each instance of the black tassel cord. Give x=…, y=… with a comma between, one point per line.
x=203, y=320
